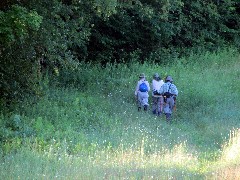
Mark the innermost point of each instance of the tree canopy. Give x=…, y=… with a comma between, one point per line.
x=38, y=36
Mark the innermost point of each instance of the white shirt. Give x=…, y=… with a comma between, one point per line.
x=156, y=85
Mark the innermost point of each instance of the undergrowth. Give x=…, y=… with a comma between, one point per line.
x=87, y=124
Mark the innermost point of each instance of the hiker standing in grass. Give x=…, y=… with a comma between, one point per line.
x=157, y=99
x=141, y=92
x=169, y=92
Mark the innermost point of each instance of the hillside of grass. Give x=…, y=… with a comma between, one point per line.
x=91, y=129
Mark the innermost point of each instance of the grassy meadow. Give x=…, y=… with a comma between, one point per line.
x=88, y=126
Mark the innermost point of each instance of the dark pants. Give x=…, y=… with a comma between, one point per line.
x=157, y=106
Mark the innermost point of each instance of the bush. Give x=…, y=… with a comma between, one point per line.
x=19, y=67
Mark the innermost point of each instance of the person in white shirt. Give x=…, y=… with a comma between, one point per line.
x=141, y=92
x=157, y=99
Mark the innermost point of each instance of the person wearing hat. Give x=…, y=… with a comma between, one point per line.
x=157, y=99
x=169, y=92
x=141, y=92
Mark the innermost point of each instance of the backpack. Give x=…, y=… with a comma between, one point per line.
x=143, y=87
x=156, y=93
x=168, y=94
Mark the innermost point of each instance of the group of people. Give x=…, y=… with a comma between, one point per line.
x=163, y=95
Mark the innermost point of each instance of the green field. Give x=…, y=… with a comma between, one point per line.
x=91, y=129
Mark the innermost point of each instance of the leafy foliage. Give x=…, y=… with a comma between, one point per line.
x=16, y=24
x=44, y=37
x=98, y=125
x=17, y=58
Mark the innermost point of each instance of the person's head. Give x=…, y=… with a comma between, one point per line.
x=169, y=79
x=156, y=77
x=142, y=76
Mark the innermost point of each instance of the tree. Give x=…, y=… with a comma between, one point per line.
x=17, y=61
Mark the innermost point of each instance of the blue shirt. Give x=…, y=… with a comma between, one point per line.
x=168, y=87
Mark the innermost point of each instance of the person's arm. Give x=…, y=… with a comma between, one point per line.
x=148, y=85
x=153, y=85
x=161, y=82
x=161, y=90
x=137, y=87
x=175, y=90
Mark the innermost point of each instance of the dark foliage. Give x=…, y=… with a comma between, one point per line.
x=41, y=36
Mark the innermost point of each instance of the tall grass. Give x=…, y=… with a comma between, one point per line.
x=91, y=129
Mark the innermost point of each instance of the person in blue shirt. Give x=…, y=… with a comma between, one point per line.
x=141, y=94
x=169, y=92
